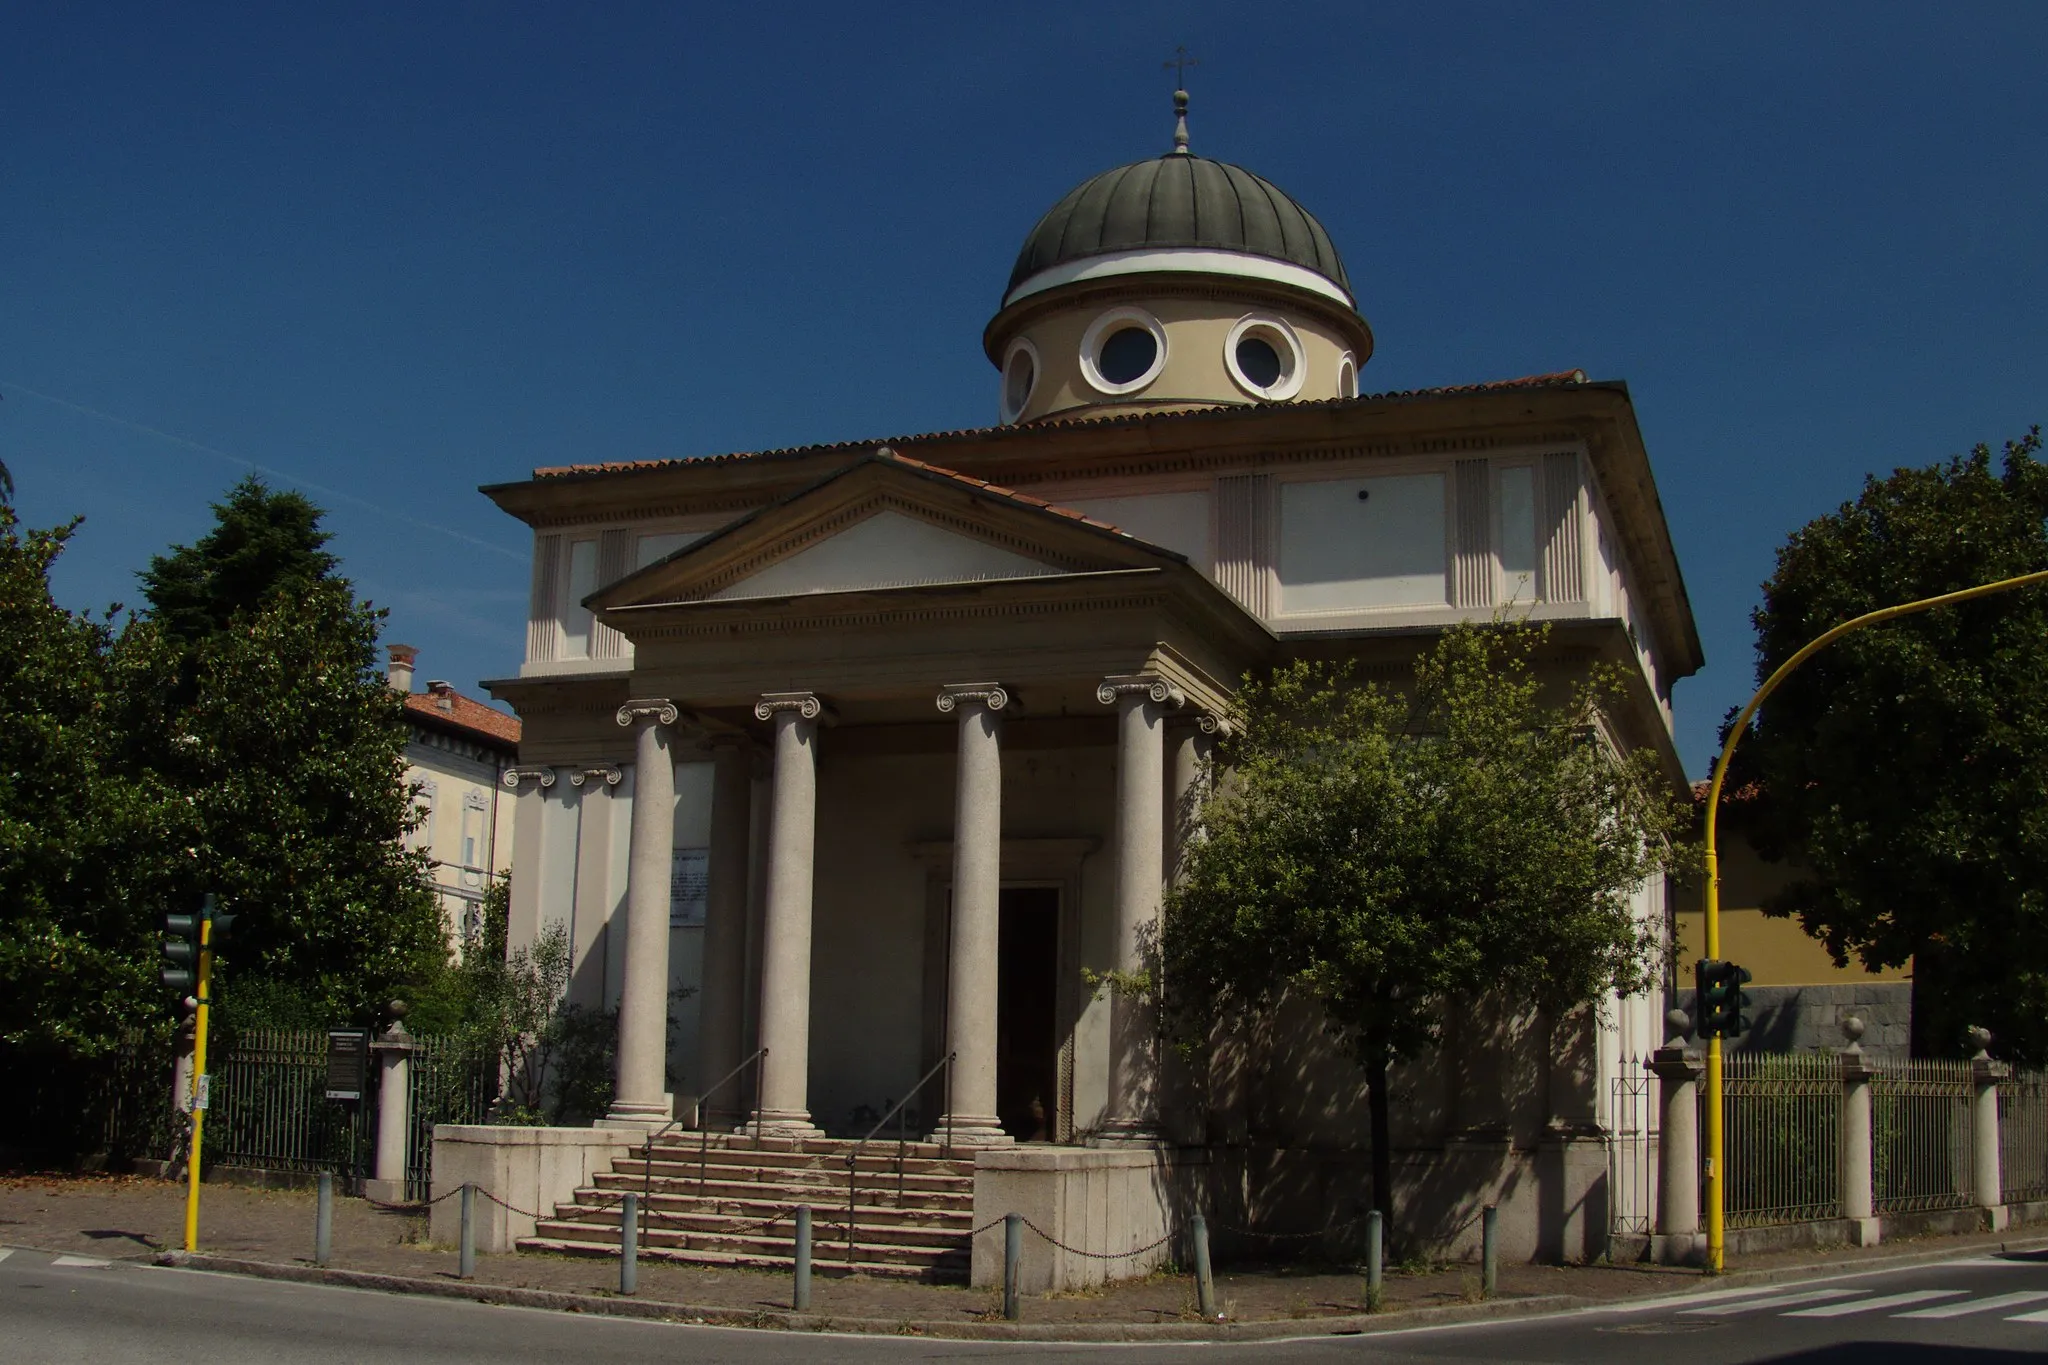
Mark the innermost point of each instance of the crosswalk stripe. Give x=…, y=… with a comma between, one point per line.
x=5, y=1252
x=2029, y=1317
x=92, y=1262
x=1992, y=1304
x=1774, y=1301
x=1841, y=1310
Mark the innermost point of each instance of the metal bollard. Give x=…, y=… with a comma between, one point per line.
x=1013, y=1261
x=1205, y=1283
x=800, y=1297
x=465, y=1255
x=629, y=1244
x=1489, y=1251
x=1375, y=1260
x=323, y=1219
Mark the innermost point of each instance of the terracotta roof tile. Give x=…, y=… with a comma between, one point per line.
x=1556, y=380
x=487, y=723
x=997, y=489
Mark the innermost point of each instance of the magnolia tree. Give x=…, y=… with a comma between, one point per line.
x=1385, y=852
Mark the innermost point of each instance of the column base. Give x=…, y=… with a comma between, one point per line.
x=792, y=1124
x=639, y=1115
x=1997, y=1217
x=1865, y=1232
x=1129, y=1133
x=1678, y=1248
x=384, y=1191
x=971, y=1130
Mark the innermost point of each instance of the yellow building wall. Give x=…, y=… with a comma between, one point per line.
x=1777, y=952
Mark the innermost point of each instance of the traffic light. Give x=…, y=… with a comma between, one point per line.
x=1721, y=999
x=180, y=948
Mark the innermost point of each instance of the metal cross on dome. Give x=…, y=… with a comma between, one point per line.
x=1179, y=65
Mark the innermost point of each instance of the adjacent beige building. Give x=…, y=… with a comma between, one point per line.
x=879, y=747
x=457, y=755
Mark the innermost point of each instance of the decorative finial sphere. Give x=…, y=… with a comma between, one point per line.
x=1979, y=1036
x=1679, y=1022
x=397, y=1009
x=1852, y=1027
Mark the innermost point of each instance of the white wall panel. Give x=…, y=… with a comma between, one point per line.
x=1343, y=552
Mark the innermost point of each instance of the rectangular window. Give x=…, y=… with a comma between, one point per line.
x=1352, y=544
x=1516, y=534
x=582, y=583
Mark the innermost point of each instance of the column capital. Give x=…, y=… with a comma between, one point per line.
x=512, y=777
x=1215, y=723
x=660, y=710
x=805, y=704
x=611, y=775
x=994, y=696
x=1117, y=686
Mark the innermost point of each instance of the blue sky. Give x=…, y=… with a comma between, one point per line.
x=393, y=252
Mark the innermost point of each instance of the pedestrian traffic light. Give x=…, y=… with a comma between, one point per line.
x=1721, y=999
x=180, y=948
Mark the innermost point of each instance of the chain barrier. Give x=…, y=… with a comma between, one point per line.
x=412, y=1206
x=1096, y=1255
x=1234, y=1230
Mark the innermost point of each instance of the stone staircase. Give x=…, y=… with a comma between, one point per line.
x=733, y=1204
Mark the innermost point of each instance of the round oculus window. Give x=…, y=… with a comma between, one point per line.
x=1126, y=354
x=1265, y=358
x=1020, y=377
x=1123, y=351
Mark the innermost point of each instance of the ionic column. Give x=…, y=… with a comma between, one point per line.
x=642, y=1096
x=720, y=1022
x=971, y=979
x=1141, y=701
x=1189, y=745
x=786, y=927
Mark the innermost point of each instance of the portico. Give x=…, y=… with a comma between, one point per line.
x=1079, y=668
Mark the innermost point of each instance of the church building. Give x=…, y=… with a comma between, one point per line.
x=850, y=768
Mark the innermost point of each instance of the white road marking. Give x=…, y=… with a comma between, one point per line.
x=1842, y=1310
x=1992, y=1304
x=90, y=1262
x=5, y=1252
x=2030, y=1317
x=1774, y=1301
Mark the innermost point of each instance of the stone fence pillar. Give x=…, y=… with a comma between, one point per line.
x=1677, y=1239
x=1859, y=1201
x=394, y=1115
x=1987, y=1176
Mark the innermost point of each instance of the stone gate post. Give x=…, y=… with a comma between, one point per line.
x=1987, y=1176
x=1853, y=1168
x=1677, y=1240
x=394, y=1115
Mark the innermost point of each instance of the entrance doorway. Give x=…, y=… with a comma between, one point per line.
x=1027, y=995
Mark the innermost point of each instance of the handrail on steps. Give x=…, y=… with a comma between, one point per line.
x=704, y=1131
x=945, y=1064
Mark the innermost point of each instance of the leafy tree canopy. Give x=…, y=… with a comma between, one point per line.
x=1905, y=766
x=1388, y=853
x=263, y=544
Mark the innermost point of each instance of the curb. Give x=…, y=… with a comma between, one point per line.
x=784, y=1320
x=1261, y=1330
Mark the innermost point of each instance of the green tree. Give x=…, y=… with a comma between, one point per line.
x=287, y=750
x=1905, y=766
x=1387, y=854
x=76, y=952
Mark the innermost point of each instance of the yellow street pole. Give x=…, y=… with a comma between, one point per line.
x=199, y=1086
x=1716, y=1169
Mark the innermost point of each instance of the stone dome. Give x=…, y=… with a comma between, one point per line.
x=1179, y=202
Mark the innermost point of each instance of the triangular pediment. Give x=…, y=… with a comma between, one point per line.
x=889, y=548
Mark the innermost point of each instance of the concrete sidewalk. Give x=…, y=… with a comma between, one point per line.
x=271, y=1232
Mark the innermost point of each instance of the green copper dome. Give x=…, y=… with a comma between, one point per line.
x=1179, y=201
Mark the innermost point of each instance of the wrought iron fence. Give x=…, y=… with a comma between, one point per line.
x=1781, y=1117
x=1631, y=1151
x=451, y=1080
x=2023, y=1136
x=1920, y=1136
x=268, y=1107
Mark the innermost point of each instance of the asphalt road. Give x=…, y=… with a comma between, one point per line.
x=1985, y=1311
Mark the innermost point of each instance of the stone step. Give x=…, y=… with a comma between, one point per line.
x=777, y=1193
x=816, y=1184
x=760, y=1243
x=951, y=1271
x=687, y=1140
x=596, y=1211
x=869, y=1159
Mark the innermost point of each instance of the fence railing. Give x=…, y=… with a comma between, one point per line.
x=1631, y=1158
x=1781, y=1118
x=2023, y=1136
x=449, y=1080
x=269, y=1109
x=1920, y=1136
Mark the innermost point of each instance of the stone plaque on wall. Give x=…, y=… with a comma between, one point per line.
x=687, y=881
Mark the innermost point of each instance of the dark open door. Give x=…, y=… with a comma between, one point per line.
x=1027, y=1048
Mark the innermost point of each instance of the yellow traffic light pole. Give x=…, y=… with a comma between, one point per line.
x=199, y=1086
x=1716, y=1168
